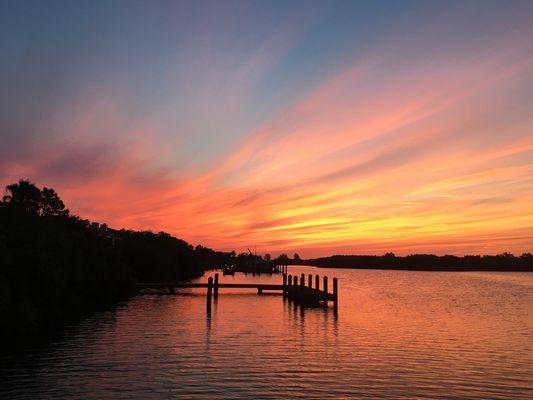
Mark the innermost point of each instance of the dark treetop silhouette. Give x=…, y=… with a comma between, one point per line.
x=422, y=262
x=56, y=267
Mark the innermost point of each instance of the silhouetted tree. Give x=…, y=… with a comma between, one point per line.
x=51, y=204
x=283, y=259
x=27, y=197
x=24, y=195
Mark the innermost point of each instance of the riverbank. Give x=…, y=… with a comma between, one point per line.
x=426, y=262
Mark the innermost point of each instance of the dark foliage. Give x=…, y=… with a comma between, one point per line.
x=159, y=257
x=55, y=267
x=52, y=270
x=428, y=262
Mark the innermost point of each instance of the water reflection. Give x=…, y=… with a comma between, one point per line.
x=397, y=335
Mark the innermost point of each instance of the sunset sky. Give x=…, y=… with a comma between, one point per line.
x=283, y=126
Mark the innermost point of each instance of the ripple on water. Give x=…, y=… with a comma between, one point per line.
x=398, y=334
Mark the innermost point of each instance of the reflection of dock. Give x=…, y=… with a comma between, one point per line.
x=293, y=287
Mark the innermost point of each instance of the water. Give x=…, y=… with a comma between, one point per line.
x=398, y=334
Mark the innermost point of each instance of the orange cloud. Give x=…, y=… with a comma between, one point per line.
x=433, y=158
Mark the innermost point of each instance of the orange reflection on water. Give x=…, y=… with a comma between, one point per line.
x=398, y=334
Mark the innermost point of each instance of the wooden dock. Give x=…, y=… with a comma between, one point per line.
x=306, y=292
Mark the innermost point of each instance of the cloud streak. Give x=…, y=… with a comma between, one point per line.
x=417, y=144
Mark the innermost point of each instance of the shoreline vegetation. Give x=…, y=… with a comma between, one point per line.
x=504, y=262
x=56, y=268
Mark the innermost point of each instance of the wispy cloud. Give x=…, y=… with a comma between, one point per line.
x=416, y=143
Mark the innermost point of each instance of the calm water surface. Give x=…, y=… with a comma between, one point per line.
x=398, y=334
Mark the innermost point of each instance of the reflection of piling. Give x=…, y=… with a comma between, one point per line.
x=215, y=288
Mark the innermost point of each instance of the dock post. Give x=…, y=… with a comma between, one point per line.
x=326, y=290
x=289, y=288
x=298, y=293
x=284, y=285
x=317, y=282
x=335, y=295
x=310, y=281
x=215, y=291
x=209, y=290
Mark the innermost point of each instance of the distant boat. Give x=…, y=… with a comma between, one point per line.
x=228, y=270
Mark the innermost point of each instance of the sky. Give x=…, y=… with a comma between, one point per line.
x=317, y=127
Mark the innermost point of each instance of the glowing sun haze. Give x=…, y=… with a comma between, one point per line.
x=315, y=127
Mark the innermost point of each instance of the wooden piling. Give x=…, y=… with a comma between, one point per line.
x=209, y=292
x=215, y=291
x=335, y=294
x=297, y=288
x=289, y=286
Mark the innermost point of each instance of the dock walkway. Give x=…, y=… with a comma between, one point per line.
x=293, y=287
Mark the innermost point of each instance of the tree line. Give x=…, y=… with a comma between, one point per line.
x=422, y=262
x=56, y=267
